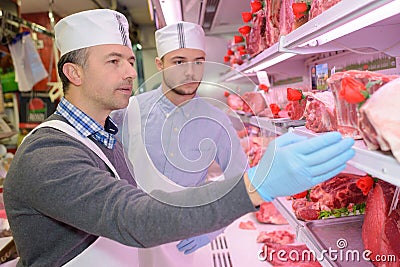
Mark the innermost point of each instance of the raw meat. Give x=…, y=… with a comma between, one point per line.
x=279, y=237
x=380, y=232
x=255, y=40
x=254, y=102
x=289, y=255
x=347, y=114
x=254, y=148
x=269, y=214
x=235, y=102
x=320, y=112
x=379, y=120
x=249, y=225
x=319, y=6
x=286, y=17
x=339, y=192
x=296, y=109
x=272, y=23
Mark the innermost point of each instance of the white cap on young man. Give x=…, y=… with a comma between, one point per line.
x=179, y=35
x=91, y=28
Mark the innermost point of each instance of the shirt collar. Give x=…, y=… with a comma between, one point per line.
x=86, y=126
x=168, y=107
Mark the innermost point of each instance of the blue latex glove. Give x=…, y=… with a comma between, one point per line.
x=293, y=163
x=192, y=244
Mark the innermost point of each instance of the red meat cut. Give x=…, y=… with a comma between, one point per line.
x=279, y=237
x=319, y=6
x=255, y=40
x=269, y=214
x=347, y=114
x=320, y=112
x=379, y=120
x=380, y=232
x=338, y=192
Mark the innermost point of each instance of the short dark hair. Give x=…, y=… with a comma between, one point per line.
x=78, y=57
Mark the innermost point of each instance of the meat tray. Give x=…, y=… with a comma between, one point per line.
x=339, y=239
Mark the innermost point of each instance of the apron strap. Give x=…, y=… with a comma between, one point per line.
x=68, y=129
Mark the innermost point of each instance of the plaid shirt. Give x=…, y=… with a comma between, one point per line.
x=86, y=126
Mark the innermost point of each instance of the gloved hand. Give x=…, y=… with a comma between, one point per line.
x=192, y=244
x=293, y=163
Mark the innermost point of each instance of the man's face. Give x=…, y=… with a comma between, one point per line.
x=183, y=70
x=108, y=77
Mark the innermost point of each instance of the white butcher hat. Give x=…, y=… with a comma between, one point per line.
x=91, y=28
x=179, y=35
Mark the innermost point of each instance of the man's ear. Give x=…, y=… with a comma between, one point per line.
x=73, y=72
x=159, y=64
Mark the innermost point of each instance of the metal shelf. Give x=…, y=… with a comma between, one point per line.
x=322, y=235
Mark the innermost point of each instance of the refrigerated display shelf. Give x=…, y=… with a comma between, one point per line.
x=323, y=237
x=376, y=163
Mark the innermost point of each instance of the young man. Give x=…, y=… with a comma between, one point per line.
x=182, y=132
x=69, y=195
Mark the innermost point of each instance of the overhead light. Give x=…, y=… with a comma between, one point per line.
x=379, y=14
x=139, y=47
x=171, y=10
x=269, y=62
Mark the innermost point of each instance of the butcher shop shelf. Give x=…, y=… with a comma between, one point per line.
x=376, y=163
x=336, y=242
x=347, y=25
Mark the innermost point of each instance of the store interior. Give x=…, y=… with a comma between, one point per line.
x=255, y=67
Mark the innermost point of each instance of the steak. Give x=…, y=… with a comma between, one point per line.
x=339, y=192
x=347, y=114
x=320, y=112
x=380, y=232
x=379, y=120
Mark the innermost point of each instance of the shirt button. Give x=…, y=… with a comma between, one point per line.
x=175, y=129
x=166, y=115
x=171, y=154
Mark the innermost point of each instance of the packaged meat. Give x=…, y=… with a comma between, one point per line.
x=379, y=120
x=381, y=231
x=348, y=89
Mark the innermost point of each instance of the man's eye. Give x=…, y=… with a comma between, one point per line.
x=114, y=61
x=179, y=62
x=199, y=62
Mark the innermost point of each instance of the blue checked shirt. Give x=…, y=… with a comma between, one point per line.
x=86, y=126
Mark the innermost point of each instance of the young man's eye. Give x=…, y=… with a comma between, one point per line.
x=179, y=62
